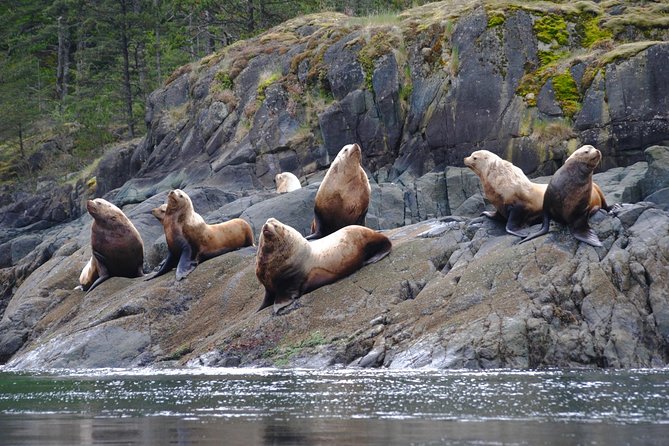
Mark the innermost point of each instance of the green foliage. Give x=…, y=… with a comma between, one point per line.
x=265, y=81
x=378, y=45
x=496, y=18
x=224, y=80
x=549, y=57
x=282, y=355
x=552, y=29
x=566, y=93
x=592, y=32
x=179, y=353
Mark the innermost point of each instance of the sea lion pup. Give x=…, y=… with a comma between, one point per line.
x=290, y=266
x=159, y=212
x=572, y=197
x=516, y=199
x=286, y=182
x=343, y=196
x=190, y=240
x=118, y=250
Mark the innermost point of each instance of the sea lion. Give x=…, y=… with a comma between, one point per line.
x=289, y=266
x=343, y=196
x=191, y=241
x=159, y=212
x=515, y=198
x=571, y=196
x=118, y=250
x=286, y=182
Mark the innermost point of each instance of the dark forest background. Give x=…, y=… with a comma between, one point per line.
x=77, y=73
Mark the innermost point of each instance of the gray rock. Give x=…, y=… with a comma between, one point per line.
x=658, y=170
x=546, y=102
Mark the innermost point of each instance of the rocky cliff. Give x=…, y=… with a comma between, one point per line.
x=419, y=91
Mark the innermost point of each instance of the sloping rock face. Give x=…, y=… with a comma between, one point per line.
x=418, y=93
x=454, y=292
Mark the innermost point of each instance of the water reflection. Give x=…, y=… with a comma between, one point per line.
x=150, y=407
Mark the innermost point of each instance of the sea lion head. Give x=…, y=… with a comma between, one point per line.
x=348, y=158
x=159, y=212
x=178, y=201
x=104, y=212
x=480, y=160
x=587, y=155
x=278, y=249
x=286, y=182
x=277, y=237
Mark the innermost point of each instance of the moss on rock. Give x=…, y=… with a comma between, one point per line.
x=566, y=93
x=379, y=44
x=552, y=29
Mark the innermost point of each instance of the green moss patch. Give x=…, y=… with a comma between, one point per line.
x=265, y=82
x=283, y=354
x=592, y=32
x=496, y=18
x=224, y=80
x=566, y=93
x=549, y=57
x=552, y=29
x=378, y=45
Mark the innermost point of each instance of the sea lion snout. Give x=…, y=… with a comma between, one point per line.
x=270, y=227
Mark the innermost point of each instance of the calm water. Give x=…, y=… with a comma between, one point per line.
x=252, y=406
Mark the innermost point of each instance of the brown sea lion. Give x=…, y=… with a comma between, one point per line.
x=572, y=197
x=343, y=196
x=515, y=198
x=118, y=250
x=286, y=182
x=190, y=240
x=290, y=266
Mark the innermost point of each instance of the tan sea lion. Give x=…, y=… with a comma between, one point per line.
x=286, y=182
x=343, y=196
x=190, y=240
x=118, y=250
x=572, y=197
x=515, y=198
x=290, y=266
x=159, y=212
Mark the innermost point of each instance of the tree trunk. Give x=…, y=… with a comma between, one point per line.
x=21, y=147
x=156, y=7
x=127, y=88
x=63, y=61
x=250, y=17
x=80, y=65
x=140, y=60
x=210, y=44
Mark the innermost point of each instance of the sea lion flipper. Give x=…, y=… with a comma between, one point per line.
x=267, y=301
x=515, y=220
x=186, y=265
x=377, y=250
x=316, y=226
x=540, y=232
x=165, y=266
x=587, y=235
x=97, y=282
